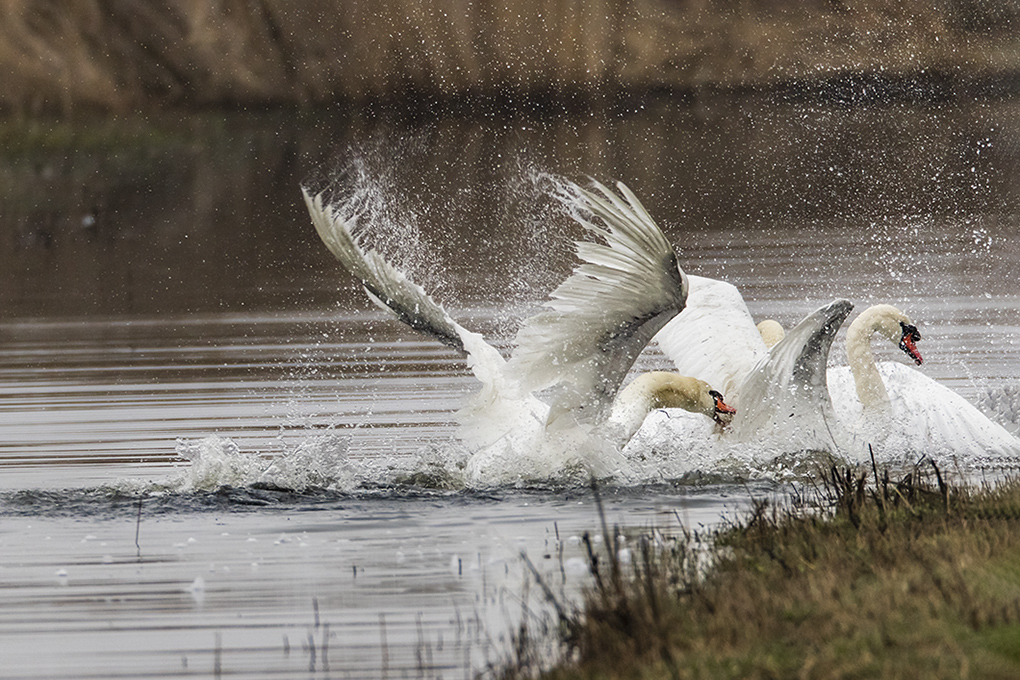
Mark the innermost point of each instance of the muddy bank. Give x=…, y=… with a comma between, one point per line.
x=130, y=55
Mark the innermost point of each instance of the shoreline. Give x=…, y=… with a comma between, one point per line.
x=863, y=578
x=188, y=56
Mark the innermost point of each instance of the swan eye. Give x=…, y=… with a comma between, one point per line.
x=910, y=331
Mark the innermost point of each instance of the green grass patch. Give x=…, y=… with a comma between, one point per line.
x=907, y=579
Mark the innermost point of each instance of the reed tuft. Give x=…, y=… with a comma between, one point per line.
x=913, y=578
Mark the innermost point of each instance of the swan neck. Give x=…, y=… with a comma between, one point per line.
x=870, y=388
x=656, y=390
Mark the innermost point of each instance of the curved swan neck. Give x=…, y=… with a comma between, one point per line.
x=879, y=319
x=654, y=390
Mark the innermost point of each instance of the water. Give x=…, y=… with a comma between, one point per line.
x=216, y=457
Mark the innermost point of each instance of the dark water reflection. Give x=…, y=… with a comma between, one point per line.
x=203, y=215
x=161, y=281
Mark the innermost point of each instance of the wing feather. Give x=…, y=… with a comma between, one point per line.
x=788, y=388
x=597, y=321
x=714, y=338
x=386, y=285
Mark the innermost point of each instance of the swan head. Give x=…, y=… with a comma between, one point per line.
x=894, y=325
x=663, y=389
x=771, y=332
x=908, y=339
x=721, y=413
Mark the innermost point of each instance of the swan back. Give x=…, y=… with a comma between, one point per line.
x=714, y=338
x=922, y=418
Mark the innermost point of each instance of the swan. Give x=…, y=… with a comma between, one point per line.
x=771, y=332
x=775, y=381
x=575, y=352
x=901, y=413
x=784, y=413
x=904, y=414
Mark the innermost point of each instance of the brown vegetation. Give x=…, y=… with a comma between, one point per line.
x=129, y=54
x=907, y=580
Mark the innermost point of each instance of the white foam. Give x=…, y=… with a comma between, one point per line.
x=320, y=461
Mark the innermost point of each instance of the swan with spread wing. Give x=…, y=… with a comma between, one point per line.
x=575, y=352
x=777, y=385
x=901, y=413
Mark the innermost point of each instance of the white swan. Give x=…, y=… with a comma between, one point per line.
x=904, y=414
x=578, y=349
x=784, y=414
x=779, y=391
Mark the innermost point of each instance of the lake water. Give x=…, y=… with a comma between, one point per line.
x=218, y=458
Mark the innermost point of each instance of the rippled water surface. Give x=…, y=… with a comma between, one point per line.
x=216, y=457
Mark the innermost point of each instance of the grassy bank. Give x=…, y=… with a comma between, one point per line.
x=914, y=579
x=129, y=54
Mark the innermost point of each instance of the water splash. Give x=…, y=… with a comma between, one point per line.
x=319, y=462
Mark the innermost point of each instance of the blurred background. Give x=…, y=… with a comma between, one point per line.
x=121, y=55
x=151, y=153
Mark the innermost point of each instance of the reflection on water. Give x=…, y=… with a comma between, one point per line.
x=178, y=218
x=162, y=289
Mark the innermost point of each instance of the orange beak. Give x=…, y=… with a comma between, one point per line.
x=908, y=342
x=723, y=413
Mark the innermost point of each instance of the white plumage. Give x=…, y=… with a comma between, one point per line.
x=576, y=351
x=902, y=413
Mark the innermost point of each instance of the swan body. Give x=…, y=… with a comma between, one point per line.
x=904, y=414
x=536, y=444
x=576, y=350
x=776, y=380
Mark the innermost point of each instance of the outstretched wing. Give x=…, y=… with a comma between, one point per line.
x=714, y=338
x=600, y=318
x=386, y=285
x=788, y=388
x=392, y=290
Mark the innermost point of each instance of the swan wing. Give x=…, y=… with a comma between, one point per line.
x=936, y=420
x=714, y=338
x=788, y=387
x=495, y=417
x=392, y=290
x=386, y=285
x=594, y=325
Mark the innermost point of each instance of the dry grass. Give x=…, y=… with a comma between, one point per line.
x=128, y=54
x=907, y=580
